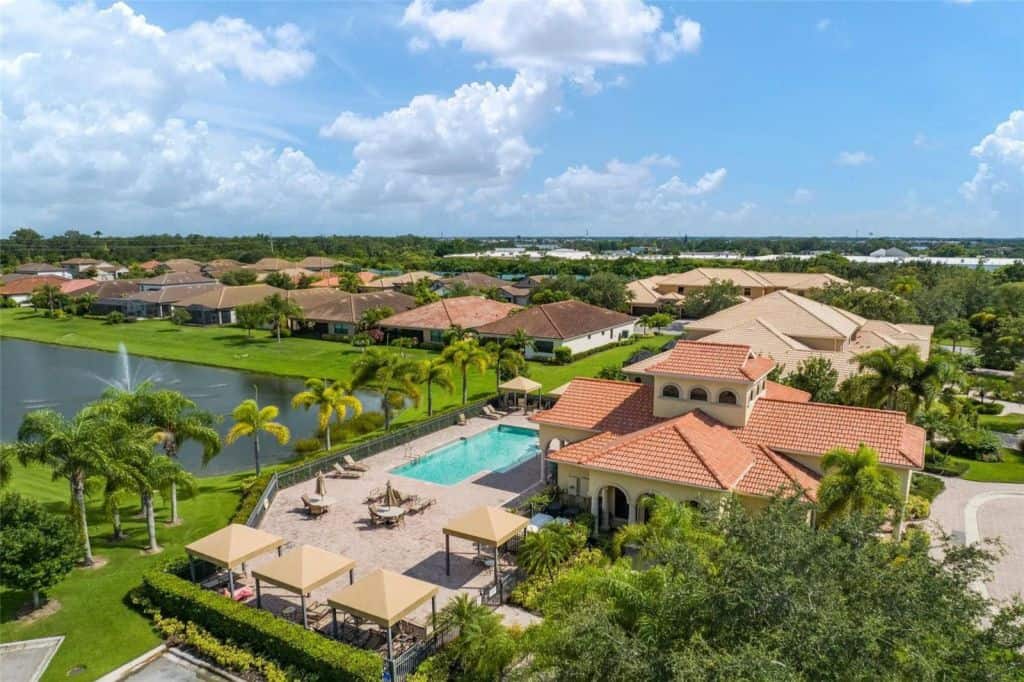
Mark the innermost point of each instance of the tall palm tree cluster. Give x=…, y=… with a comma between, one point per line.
x=897, y=378
x=124, y=444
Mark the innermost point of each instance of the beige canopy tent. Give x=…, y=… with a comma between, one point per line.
x=520, y=384
x=384, y=597
x=232, y=546
x=303, y=570
x=492, y=526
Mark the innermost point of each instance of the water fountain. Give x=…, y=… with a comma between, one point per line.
x=125, y=379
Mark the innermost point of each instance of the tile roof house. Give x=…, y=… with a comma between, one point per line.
x=216, y=304
x=429, y=322
x=398, y=281
x=183, y=265
x=479, y=281
x=20, y=290
x=576, y=325
x=174, y=279
x=269, y=265
x=42, y=270
x=704, y=422
x=318, y=263
x=790, y=329
x=653, y=293
x=341, y=312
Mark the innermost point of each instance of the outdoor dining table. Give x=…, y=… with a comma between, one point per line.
x=389, y=513
x=321, y=500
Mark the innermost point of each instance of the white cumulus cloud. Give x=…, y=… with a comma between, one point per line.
x=857, y=158
x=997, y=186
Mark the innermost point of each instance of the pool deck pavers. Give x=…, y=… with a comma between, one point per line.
x=415, y=548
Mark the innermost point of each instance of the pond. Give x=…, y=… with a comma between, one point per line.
x=36, y=375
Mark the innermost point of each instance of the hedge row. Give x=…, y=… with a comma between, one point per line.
x=287, y=643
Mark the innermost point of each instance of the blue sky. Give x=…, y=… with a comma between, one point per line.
x=515, y=117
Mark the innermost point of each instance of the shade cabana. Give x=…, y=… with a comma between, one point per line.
x=520, y=384
x=232, y=546
x=491, y=526
x=303, y=570
x=384, y=597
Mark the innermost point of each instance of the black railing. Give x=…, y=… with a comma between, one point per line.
x=494, y=594
x=407, y=661
x=400, y=436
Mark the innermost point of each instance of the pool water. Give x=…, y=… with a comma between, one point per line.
x=497, y=449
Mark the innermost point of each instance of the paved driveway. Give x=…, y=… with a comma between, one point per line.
x=971, y=511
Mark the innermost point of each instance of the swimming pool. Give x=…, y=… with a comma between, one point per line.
x=498, y=449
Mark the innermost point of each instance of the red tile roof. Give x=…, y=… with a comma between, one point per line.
x=468, y=312
x=28, y=284
x=560, y=320
x=816, y=428
x=774, y=391
x=602, y=405
x=713, y=360
x=773, y=472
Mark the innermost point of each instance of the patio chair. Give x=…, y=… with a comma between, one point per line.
x=312, y=509
x=350, y=464
x=342, y=473
x=374, y=518
x=491, y=413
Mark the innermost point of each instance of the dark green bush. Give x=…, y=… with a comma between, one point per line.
x=563, y=355
x=115, y=317
x=262, y=632
x=979, y=444
x=926, y=486
x=988, y=408
x=304, y=446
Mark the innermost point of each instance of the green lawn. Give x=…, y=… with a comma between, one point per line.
x=101, y=630
x=1010, y=470
x=1007, y=423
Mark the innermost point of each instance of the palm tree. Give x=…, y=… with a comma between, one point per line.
x=544, y=551
x=463, y=355
x=854, y=482
x=484, y=648
x=669, y=523
x=251, y=420
x=390, y=375
x=927, y=381
x=152, y=472
x=506, y=361
x=175, y=418
x=332, y=399
x=280, y=310
x=435, y=371
x=74, y=449
x=49, y=294
x=892, y=369
x=519, y=340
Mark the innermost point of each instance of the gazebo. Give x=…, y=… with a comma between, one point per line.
x=522, y=385
x=231, y=546
x=491, y=526
x=384, y=597
x=301, y=571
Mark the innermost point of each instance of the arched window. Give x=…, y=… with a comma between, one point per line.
x=698, y=394
x=670, y=391
x=727, y=398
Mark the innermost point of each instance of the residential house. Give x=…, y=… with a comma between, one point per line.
x=174, y=279
x=20, y=290
x=477, y=281
x=218, y=266
x=364, y=277
x=706, y=424
x=752, y=284
x=790, y=329
x=428, y=323
x=42, y=270
x=576, y=325
x=216, y=304
x=646, y=299
x=158, y=303
x=183, y=265
x=111, y=295
x=99, y=270
x=268, y=265
x=514, y=294
x=399, y=281
x=319, y=263
x=341, y=313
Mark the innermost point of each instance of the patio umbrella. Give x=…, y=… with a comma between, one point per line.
x=392, y=498
x=321, y=484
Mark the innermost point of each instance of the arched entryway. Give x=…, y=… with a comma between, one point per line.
x=642, y=507
x=612, y=507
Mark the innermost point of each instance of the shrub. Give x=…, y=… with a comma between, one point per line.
x=115, y=317
x=180, y=316
x=259, y=631
x=988, y=408
x=563, y=355
x=530, y=593
x=224, y=655
x=251, y=491
x=305, y=446
x=37, y=548
x=918, y=507
x=979, y=444
x=926, y=486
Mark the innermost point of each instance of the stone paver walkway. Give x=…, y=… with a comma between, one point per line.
x=415, y=548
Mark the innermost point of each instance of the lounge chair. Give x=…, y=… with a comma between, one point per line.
x=492, y=413
x=350, y=464
x=417, y=504
x=342, y=473
x=312, y=509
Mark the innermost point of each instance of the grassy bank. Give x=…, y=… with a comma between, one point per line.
x=1007, y=423
x=102, y=632
x=1010, y=470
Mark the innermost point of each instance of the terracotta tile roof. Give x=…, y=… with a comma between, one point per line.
x=397, y=281
x=36, y=268
x=713, y=360
x=602, y=405
x=115, y=288
x=816, y=428
x=694, y=449
x=177, y=278
x=773, y=472
x=645, y=292
x=319, y=262
x=183, y=265
x=561, y=320
x=468, y=312
x=774, y=391
x=173, y=294
x=475, y=280
x=29, y=283
x=270, y=265
x=223, y=298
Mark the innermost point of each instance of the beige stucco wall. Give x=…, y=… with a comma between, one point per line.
x=733, y=415
x=565, y=434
